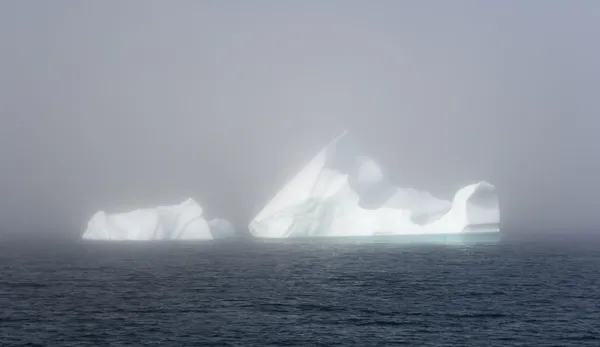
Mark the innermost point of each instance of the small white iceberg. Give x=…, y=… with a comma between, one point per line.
x=184, y=221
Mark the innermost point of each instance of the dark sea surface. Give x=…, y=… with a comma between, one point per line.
x=519, y=292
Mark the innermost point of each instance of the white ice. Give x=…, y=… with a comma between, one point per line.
x=341, y=192
x=184, y=221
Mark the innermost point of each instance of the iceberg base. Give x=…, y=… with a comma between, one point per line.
x=470, y=238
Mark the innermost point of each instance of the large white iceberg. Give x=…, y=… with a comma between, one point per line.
x=184, y=221
x=342, y=192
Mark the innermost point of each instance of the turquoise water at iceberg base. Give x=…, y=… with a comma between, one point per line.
x=472, y=238
x=518, y=291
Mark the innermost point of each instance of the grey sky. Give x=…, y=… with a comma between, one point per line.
x=115, y=104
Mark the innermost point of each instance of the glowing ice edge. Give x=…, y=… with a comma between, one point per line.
x=184, y=221
x=322, y=201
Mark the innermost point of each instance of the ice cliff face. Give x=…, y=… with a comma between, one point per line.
x=177, y=222
x=342, y=192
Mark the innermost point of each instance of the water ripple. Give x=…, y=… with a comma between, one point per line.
x=296, y=294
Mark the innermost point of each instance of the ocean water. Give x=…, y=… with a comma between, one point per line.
x=514, y=293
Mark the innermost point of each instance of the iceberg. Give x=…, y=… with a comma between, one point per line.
x=221, y=228
x=184, y=221
x=343, y=192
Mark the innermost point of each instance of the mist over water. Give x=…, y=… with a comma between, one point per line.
x=116, y=105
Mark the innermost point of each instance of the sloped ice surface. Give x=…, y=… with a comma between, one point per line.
x=343, y=192
x=184, y=221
